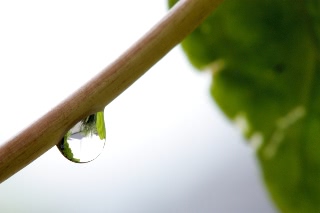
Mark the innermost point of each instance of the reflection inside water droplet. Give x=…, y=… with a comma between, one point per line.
x=85, y=141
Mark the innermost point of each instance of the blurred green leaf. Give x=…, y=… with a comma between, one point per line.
x=264, y=56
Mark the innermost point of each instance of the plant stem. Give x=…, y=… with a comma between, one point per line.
x=39, y=137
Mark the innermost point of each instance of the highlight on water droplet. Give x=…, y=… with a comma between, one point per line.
x=85, y=141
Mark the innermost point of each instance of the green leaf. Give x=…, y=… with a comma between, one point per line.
x=264, y=56
x=101, y=129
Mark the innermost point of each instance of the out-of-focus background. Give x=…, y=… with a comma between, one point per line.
x=169, y=148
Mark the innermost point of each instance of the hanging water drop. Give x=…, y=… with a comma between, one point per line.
x=85, y=141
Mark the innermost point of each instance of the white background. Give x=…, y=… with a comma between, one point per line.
x=169, y=148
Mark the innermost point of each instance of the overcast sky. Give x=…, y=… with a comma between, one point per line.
x=168, y=149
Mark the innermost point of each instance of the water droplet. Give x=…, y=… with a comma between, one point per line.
x=85, y=141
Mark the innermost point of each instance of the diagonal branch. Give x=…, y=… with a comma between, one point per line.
x=102, y=89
